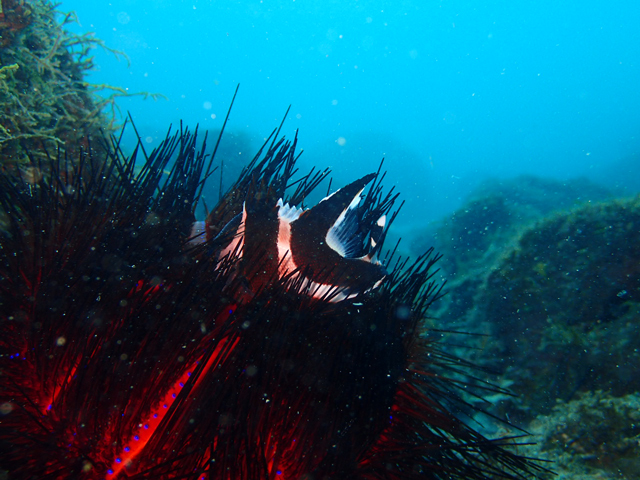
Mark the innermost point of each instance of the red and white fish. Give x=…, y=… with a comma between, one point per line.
x=318, y=250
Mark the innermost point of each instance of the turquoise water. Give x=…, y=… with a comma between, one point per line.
x=450, y=92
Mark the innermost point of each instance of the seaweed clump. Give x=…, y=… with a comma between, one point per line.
x=44, y=97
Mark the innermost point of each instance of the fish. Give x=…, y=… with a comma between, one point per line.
x=318, y=249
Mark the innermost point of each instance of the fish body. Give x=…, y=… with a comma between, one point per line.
x=319, y=250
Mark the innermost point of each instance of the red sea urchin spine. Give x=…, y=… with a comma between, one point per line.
x=128, y=351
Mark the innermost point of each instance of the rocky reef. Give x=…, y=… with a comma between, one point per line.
x=564, y=305
x=546, y=276
x=594, y=437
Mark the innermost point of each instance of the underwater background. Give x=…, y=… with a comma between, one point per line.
x=449, y=92
x=511, y=130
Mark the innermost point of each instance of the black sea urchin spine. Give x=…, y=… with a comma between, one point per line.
x=128, y=351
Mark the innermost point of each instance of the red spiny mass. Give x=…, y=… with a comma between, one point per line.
x=129, y=351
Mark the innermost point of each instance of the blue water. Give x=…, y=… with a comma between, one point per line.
x=450, y=92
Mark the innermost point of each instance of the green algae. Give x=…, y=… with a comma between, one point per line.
x=45, y=99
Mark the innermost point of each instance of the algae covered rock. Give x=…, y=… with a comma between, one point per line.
x=477, y=237
x=498, y=209
x=555, y=295
x=548, y=273
x=563, y=307
x=596, y=436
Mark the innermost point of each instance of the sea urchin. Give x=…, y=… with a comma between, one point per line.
x=132, y=347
